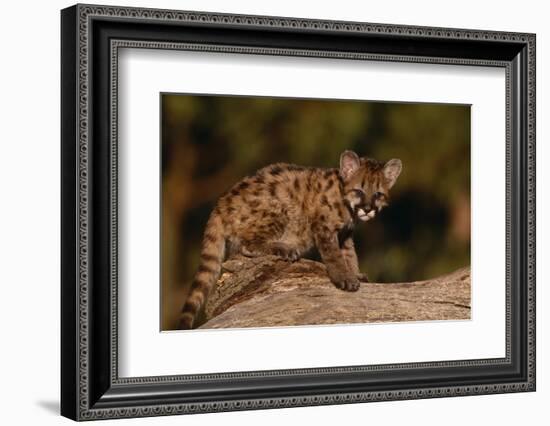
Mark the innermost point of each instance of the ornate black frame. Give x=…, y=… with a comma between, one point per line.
x=91, y=37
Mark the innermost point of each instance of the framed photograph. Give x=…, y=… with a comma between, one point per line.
x=263, y=212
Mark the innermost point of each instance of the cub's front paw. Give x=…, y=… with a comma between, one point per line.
x=364, y=278
x=346, y=283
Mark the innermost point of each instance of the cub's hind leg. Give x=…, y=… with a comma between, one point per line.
x=275, y=248
x=284, y=250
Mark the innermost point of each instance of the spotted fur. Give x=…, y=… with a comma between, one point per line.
x=286, y=210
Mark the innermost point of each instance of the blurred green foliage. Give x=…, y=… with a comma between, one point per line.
x=211, y=142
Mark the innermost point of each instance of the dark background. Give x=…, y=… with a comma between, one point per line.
x=211, y=142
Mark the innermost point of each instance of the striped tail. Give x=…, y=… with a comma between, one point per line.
x=212, y=256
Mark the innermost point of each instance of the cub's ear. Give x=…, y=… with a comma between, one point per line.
x=349, y=163
x=392, y=170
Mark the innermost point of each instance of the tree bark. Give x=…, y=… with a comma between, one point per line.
x=270, y=292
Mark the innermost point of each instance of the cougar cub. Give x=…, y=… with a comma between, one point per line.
x=286, y=210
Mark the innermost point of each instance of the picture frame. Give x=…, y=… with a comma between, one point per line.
x=90, y=384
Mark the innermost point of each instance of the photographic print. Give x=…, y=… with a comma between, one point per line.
x=287, y=211
x=271, y=184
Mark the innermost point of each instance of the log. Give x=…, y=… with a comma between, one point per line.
x=271, y=292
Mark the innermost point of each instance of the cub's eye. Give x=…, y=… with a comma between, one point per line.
x=378, y=195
